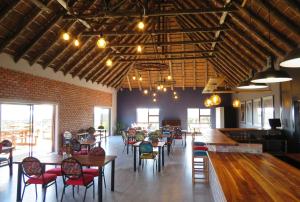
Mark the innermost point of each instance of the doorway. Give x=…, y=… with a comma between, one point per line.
x=102, y=117
x=28, y=127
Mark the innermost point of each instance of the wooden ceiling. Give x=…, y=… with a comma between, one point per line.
x=196, y=39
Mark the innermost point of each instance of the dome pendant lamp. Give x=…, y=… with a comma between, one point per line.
x=248, y=85
x=292, y=60
x=271, y=75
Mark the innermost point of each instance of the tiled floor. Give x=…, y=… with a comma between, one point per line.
x=173, y=184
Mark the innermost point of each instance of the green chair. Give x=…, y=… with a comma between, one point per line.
x=139, y=136
x=146, y=152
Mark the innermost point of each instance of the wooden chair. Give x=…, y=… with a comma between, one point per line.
x=4, y=157
x=33, y=171
x=74, y=176
x=200, y=162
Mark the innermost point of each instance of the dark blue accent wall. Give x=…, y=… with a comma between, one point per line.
x=129, y=101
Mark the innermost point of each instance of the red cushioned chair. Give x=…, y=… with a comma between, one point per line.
x=128, y=139
x=96, y=151
x=73, y=176
x=32, y=170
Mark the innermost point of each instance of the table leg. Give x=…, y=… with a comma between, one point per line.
x=127, y=147
x=134, y=159
x=100, y=185
x=159, y=153
x=113, y=175
x=185, y=139
x=10, y=163
x=169, y=148
x=163, y=156
x=19, y=183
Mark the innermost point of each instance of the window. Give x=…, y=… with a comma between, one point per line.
x=148, y=118
x=198, y=119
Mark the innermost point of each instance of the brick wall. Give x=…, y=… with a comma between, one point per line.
x=75, y=104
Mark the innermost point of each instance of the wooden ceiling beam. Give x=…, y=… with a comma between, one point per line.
x=260, y=21
x=162, y=53
x=154, y=32
x=225, y=68
x=232, y=68
x=41, y=5
x=149, y=13
x=294, y=5
x=183, y=65
x=165, y=43
x=150, y=81
x=24, y=50
x=264, y=39
x=4, y=13
x=279, y=16
x=129, y=84
x=223, y=72
x=164, y=59
x=118, y=80
x=51, y=44
x=28, y=18
x=110, y=72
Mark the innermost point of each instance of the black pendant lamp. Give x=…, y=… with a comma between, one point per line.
x=248, y=85
x=292, y=60
x=271, y=75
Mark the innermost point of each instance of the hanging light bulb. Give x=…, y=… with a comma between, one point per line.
x=174, y=93
x=236, y=103
x=134, y=78
x=158, y=88
x=101, y=43
x=154, y=100
x=208, y=102
x=154, y=94
x=165, y=89
x=161, y=86
x=169, y=77
x=141, y=25
x=76, y=42
x=216, y=99
x=66, y=36
x=140, y=78
x=249, y=85
x=175, y=97
x=139, y=49
x=109, y=62
x=146, y=92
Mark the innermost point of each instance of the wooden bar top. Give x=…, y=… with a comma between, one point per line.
x=214, y=137
x=250, y=177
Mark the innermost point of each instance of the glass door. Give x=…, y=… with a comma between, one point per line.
x=29, y=127
x=102, y=118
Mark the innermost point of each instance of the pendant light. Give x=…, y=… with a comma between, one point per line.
x=292, y=60
x=215, y=99
x=271, y=75
x=236, y=103
x=248, y=85
x=208, y=102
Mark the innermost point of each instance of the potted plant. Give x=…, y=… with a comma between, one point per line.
x=101, y=127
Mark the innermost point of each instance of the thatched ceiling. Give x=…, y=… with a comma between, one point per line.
x=32, y=29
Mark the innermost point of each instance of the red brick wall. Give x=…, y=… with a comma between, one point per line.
x=75, y=104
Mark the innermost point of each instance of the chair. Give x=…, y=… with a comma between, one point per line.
x=76, y=147
x=127, y=140
x=177, y=134
x=4, y=157
x=140, y=136
x=32, y=169
x=199, y=161
x=96, y=151
x=73, y=176
x=146, y=152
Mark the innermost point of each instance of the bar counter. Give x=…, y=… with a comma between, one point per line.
x=252, y=177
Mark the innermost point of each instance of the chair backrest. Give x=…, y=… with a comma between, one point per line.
x=0, y=147
x=140, y=136
x=6, y=143
x=31, y=167
x=145, y=147
x=131, y=131
x=75, y=144
x=71, y=168
x=97, y=151
x=124, y=136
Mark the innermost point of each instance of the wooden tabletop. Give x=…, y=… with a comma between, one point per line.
x=89, y=142
x=214, y=137
x=85, y=160
x=256, y=177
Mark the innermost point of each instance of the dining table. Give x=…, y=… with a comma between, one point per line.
x=10, y=158
x=85, y=160
x=161, y=155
